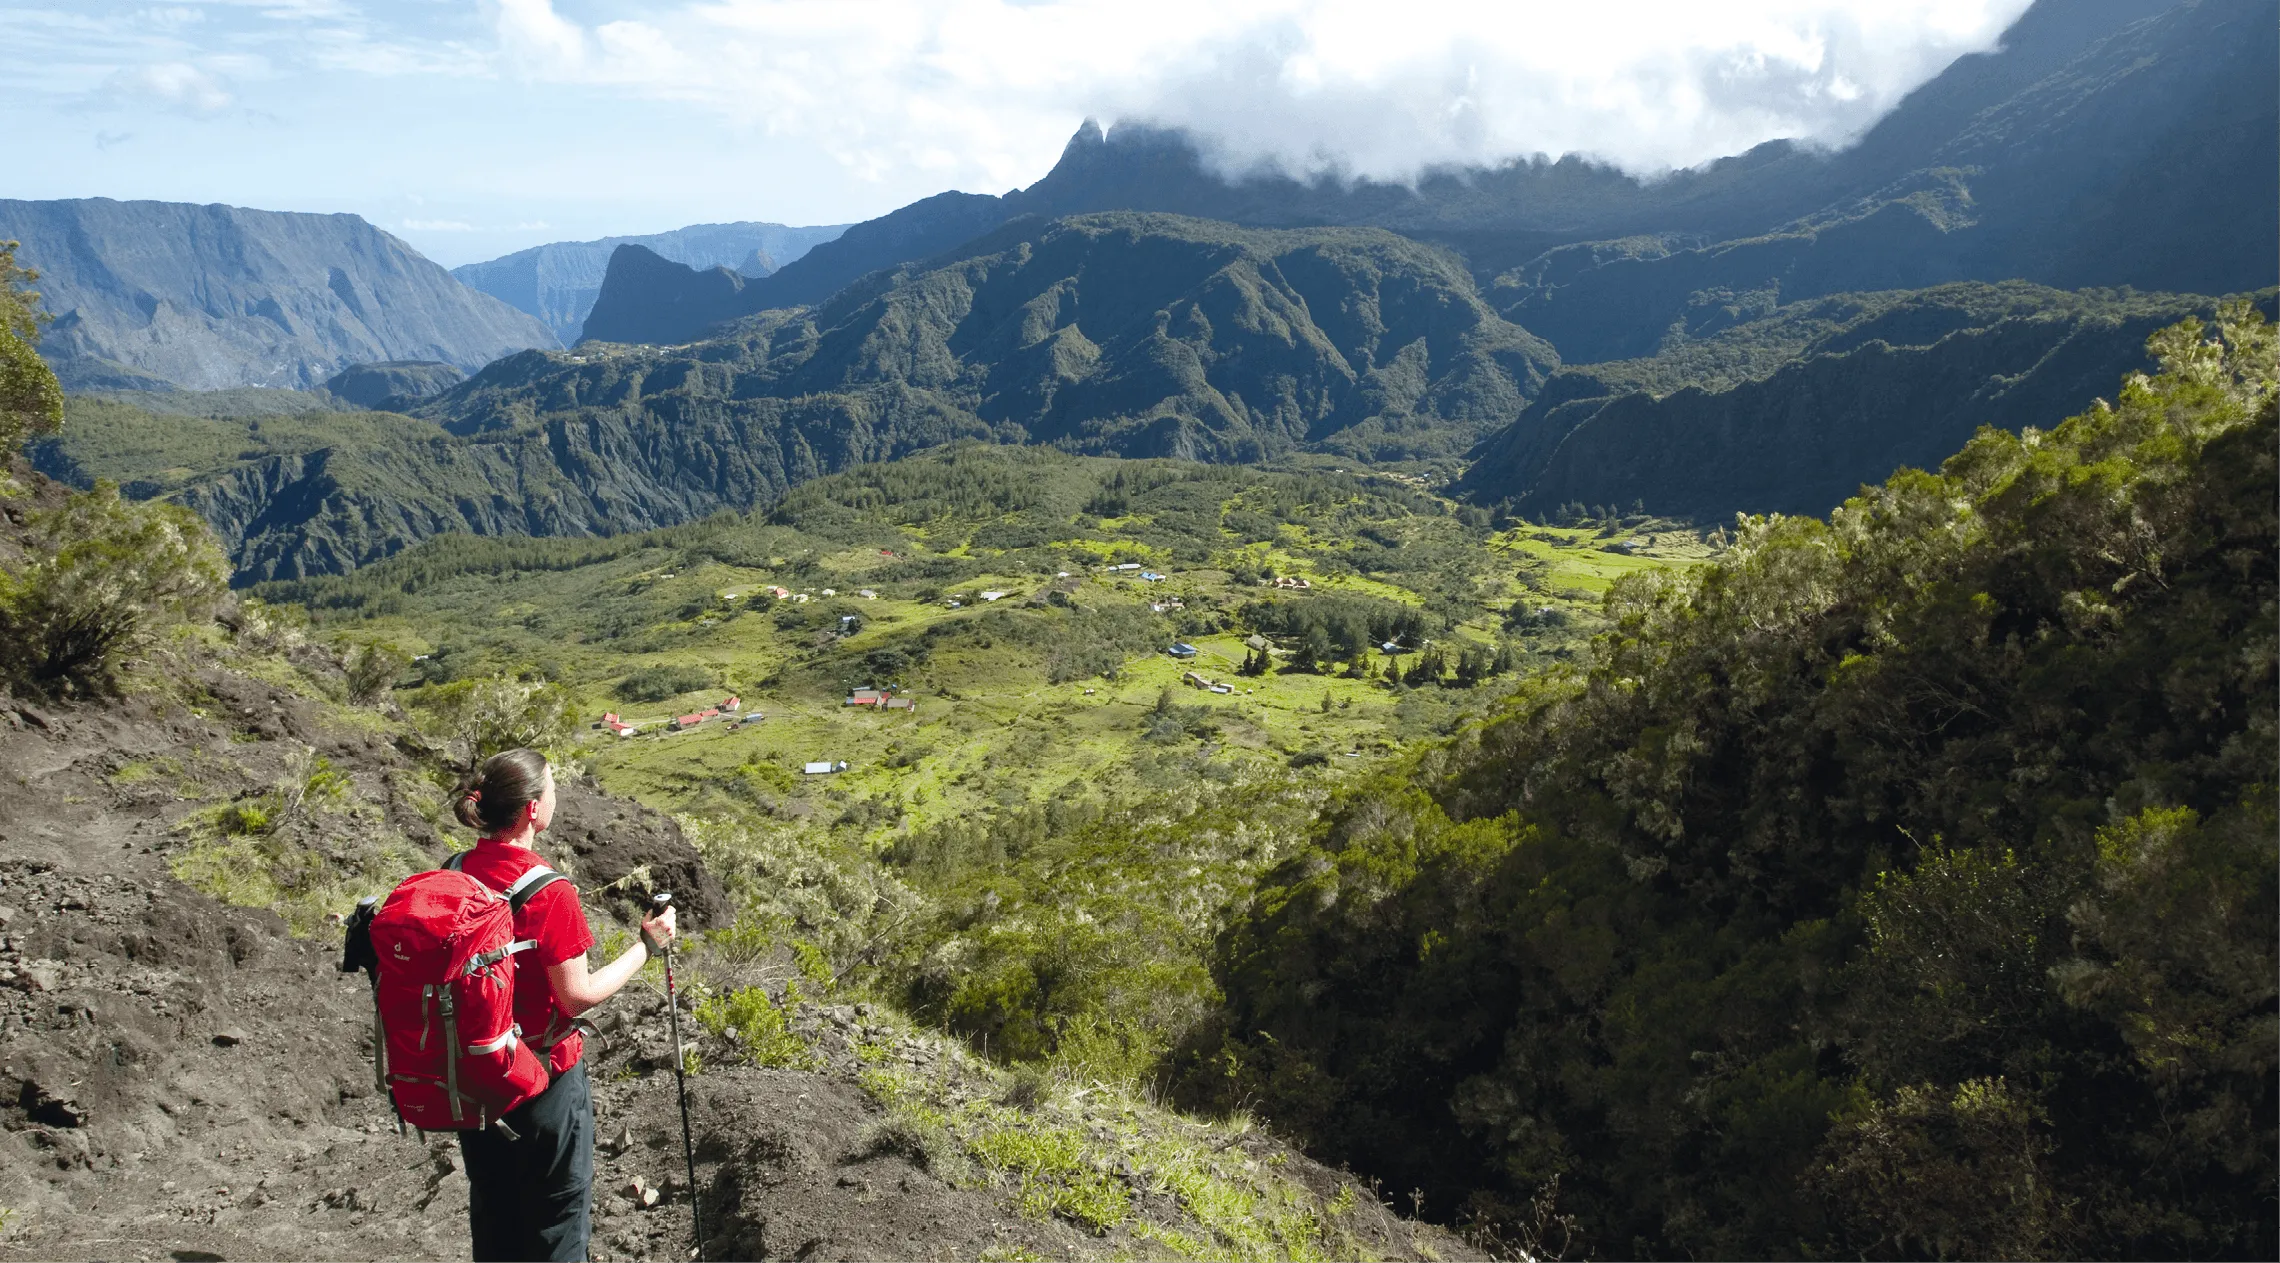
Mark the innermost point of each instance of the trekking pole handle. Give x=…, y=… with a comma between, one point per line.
x=658, y=904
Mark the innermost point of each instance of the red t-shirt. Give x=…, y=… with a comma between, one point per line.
x=553, y=917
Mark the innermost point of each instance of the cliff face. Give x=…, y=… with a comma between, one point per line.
x=211, y=297
x=559, y=282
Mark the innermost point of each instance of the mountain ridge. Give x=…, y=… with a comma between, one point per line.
x=167, y=294
x=1506, y=216
x=558, y=282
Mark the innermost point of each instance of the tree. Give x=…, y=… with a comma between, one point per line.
x=31, y=400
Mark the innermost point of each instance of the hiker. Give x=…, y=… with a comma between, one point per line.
x=531, y=1197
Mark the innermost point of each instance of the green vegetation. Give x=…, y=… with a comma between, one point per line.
x=754, y=1025
x=1795, y=408
x=1899, y=884
x=31, y=402
x=1038, y=856
x=103, y=576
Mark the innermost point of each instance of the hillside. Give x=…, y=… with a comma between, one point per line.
x=1795, y=410
x=2007, y=165
x=1145, y=335
x=158, y=295
x=559, y=281
x=1895, y=885
x=1141, y=335
x=182, y=838
x=1069, y=655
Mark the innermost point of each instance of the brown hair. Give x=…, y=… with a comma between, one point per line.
x=494, y=797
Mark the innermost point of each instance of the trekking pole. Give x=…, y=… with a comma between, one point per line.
x=663, y=901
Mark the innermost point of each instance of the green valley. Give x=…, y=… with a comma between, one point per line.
x=1026, y=602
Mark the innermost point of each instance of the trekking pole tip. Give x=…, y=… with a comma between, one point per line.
x=662, y=899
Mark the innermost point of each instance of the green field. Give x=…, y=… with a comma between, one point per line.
x=1063, y=680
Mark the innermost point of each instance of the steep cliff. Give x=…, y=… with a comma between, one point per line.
x=209, y=297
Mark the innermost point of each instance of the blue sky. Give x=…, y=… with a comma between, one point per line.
x=475, y=127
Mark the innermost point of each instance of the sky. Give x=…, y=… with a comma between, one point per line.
x=472, y=128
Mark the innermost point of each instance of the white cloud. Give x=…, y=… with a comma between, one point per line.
x=172, y=85
x=993, y=87
x=436, y=225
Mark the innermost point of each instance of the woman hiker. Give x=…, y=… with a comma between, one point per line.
x=531, y=1198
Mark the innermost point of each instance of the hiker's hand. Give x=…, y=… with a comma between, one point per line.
x=658, y=930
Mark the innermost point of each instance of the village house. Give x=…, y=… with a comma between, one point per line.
x=781, y=594
x=868, y=697
x=823, y=767
x=903, y=703
x=1288, y=581
x=682, y=723
x=617, y=727
x=993, y=596
x=868, y=595
x=1182, y=650
x=1122, y=566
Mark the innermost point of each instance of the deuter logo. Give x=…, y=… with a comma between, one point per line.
x=398, y=948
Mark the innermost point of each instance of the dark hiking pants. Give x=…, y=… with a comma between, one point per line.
x=532, y=1198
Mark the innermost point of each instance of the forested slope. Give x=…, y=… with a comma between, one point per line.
x=1795, y=410
x=1899, y=884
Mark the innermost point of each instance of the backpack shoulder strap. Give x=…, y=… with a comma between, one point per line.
x=458, y=858
x=534, y=879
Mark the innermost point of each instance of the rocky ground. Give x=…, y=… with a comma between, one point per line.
x=184, y=1078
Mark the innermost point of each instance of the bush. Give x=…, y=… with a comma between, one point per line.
x=105, y=574
x=372, y=670
x=747, y=1018
x=655, y=684
x=490, y=715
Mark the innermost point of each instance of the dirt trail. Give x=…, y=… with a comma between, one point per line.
x=184, y=1079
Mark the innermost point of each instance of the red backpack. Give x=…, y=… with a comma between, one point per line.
x=441, y=950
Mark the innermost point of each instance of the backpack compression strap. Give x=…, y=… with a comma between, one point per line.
x=534, y=879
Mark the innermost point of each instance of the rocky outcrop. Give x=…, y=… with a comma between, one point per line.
x=210, y=297
x=559, y=282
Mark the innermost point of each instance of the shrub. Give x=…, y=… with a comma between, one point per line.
x=490, y=715
x=655, y=684
x=747, y=1018
x=105, y=574
x=372, y=671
